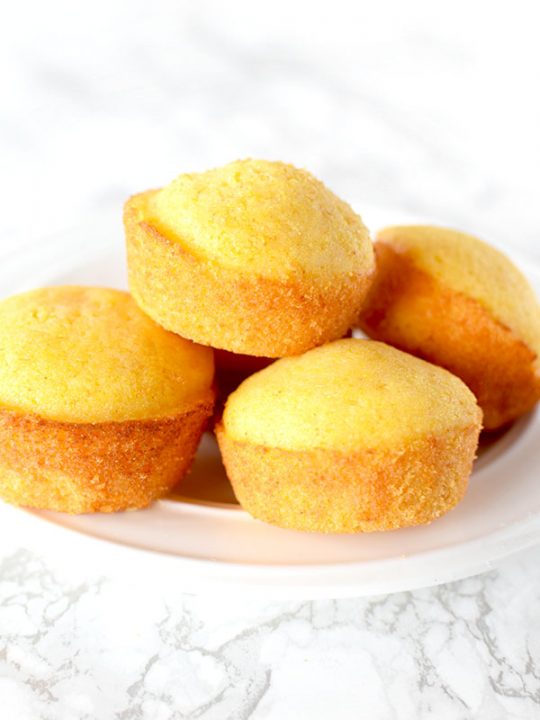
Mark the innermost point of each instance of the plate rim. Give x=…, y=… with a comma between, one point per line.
x=311, y=579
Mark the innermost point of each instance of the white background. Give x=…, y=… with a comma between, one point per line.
x=430, y=107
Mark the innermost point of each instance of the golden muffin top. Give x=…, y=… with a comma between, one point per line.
x=348, y=395
x=469, y=266
x=261, y=217
x=81, y=354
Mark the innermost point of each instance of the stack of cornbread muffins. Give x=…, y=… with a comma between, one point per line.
x=246, y=282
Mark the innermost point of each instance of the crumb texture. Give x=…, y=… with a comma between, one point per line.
x=95, y=467
x=348, y=395
x=348, y=492
x=263, y=217
x=234, y=310
x=467, y=265
x=80, y=354
x=416, y=312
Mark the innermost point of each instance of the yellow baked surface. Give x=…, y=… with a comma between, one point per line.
x=354, y=436
x=81, y=354
x=467, y=265
x=255, y=258
x=264, y=218
x=348, y=395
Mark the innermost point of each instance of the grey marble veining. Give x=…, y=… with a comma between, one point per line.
x=108, y=649
x=408, y=105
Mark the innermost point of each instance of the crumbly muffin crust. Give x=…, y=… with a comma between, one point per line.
x=259, y=263
x=355, y=436
x=423, y=313
x=100, y=408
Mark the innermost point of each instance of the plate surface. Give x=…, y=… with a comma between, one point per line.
x=201, y=533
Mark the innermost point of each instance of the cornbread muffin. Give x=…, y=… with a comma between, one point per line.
x=255, y=257
x=100, y=408
x=350, y=437
x=452, y=299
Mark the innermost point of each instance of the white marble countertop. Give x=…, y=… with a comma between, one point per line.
x=428, y=108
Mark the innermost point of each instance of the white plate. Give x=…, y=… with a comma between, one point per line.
x=207, y=540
